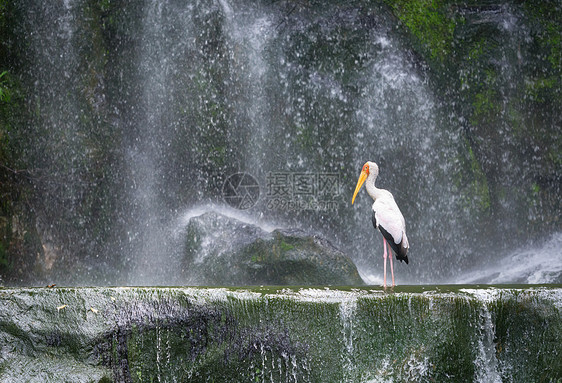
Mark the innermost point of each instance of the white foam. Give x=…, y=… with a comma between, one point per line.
x=526, y=265
x=219, y=294
x=484, y=295
x=198, y=210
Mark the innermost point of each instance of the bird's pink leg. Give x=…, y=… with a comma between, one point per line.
x=391, y=267
x=384, y=257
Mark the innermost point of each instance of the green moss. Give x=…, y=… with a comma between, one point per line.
x=548, y=16
x=105, y=5
x=429, y=22
x=5, y=95
x=407, y=328
x=305, y=137
x=535, y=189
x=472, y=183
x=485, y=105
x=414, y=333
x=554, y=43
x=526, y=314
x=285, y=246
x=541, y=89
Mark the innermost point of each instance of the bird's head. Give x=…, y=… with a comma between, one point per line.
x=369, y=169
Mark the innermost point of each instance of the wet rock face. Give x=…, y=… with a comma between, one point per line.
x=220, y=250
x=419, y=334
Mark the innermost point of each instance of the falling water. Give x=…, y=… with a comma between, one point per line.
x=164, y=46
x=486, y=361
x=141, y=112
x=347, y=314
x=248, y=32
x=396, y=126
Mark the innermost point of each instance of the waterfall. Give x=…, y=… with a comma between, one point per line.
x=248, y=32
x=57, y=140
x=164, y=47
x=138, y=115
x=396, y=125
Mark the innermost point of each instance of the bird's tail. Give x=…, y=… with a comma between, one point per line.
x=402, y=249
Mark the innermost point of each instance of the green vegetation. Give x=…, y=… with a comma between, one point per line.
x=517, y=314
x=285, y=246
x=548, y=14
x=431, y=24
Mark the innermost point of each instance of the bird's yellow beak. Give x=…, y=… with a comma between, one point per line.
x=360, y=183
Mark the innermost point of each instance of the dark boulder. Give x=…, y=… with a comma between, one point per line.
x=220, y=250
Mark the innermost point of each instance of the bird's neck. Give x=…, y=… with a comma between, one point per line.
x=372, y=190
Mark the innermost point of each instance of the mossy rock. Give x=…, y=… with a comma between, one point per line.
x=226, y=251
x=280, y=334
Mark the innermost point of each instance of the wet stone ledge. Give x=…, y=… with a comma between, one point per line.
x=270, y=334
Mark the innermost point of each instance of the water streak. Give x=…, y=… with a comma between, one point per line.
x=486, y=362
x=347, y=316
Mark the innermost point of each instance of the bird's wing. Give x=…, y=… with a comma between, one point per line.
x=388, y=215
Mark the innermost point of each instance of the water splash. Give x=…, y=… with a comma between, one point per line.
x=530, y=264
x=225, y=210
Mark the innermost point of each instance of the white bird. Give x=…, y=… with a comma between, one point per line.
x=386, y=217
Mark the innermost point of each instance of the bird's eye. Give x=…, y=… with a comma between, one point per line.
x=366, y=168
